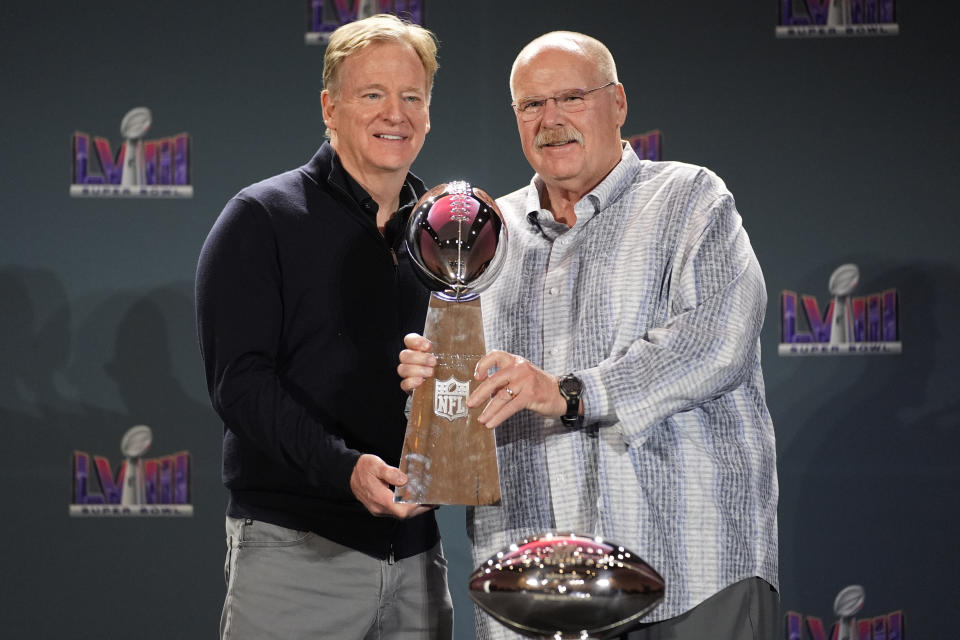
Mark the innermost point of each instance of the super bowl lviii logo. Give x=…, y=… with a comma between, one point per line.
x=847, y=627
x=647, y=145
x=141, y=486
x=139, y=168
x=836, y=18
x=850, y=325
x=327, y=15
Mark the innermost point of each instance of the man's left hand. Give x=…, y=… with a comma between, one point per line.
x=370, y=482
x=517, y=384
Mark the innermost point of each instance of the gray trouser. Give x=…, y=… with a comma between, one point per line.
x=746, y=610
x=291, y=584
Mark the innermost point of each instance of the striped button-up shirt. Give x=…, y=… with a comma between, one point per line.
x=655, y=300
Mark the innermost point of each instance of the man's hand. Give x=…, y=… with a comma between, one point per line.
x=517, y=384
x=416, y=362
x=370, y=483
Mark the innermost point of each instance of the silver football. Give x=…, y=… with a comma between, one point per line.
x=566, y=586
x=457, y=240
x=136, y=441
x=844, y=280
x=849, y=601
x=135, y=123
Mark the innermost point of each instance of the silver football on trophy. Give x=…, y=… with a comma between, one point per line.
x=844, y=280
x=566, y=586
x=457, y=240
x=135, y=123
x=136, y=441
x=849, y=601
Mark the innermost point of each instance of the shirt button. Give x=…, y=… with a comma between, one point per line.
x=553, y=291
x=554, y=351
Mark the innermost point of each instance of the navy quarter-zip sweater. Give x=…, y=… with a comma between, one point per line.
x=302, y=306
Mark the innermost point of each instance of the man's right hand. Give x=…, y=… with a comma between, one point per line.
x=416, y=362
x=370, y=483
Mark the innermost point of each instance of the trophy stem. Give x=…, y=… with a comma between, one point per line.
x=132, y=492
x=449, y=457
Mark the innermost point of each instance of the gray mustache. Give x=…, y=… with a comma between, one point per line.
x=563, y=134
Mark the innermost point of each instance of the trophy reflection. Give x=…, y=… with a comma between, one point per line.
x=457, y=242
x=566, y=586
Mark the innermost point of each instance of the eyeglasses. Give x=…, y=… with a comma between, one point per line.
x=569, y=101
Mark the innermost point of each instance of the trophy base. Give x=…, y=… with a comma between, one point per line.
x=448, y=456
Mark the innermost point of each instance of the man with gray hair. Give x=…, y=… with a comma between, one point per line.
x=626, y=390
x=304, y=294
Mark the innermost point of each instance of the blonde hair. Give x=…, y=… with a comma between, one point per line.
x=383, y=27
x=592, y=48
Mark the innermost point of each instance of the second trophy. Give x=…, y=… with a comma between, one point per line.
x=457, y=241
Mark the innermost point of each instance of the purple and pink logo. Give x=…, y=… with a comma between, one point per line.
x=836, y=18
x=847, y=627
x=647, y=145
x=140, y=486
x=139, y=168
x=327, y=15
x=850, y=325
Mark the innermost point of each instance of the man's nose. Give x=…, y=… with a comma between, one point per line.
x=393, y=108
x=552, y=113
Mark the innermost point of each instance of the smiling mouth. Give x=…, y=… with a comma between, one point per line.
x=559, y=144
x=388, y=136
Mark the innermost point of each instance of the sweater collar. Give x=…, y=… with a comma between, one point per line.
x=325, y=167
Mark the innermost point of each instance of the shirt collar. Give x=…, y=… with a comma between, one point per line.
x=408, y=198
x=601, y=197
x=356, y=192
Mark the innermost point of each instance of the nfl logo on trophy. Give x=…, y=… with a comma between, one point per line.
x=450, y=398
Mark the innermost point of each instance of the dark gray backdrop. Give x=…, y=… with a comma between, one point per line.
x=837, y=151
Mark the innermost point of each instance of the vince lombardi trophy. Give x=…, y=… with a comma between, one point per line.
x=838, y=13
x=843, y=281
x=134, y=444
x=847, y=603
x=133, y=127
x=364, y=9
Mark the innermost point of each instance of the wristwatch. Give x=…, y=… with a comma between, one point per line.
x=571, y=388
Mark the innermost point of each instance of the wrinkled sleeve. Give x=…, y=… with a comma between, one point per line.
x=709, y=343
x=239, y=320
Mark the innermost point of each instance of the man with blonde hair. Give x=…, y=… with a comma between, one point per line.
x=627, y=392
x=304, y=292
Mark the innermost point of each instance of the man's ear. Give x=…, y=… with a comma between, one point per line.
x=621, y=102
x=328, y=103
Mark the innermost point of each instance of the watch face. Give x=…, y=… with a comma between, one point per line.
x=571, y=385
